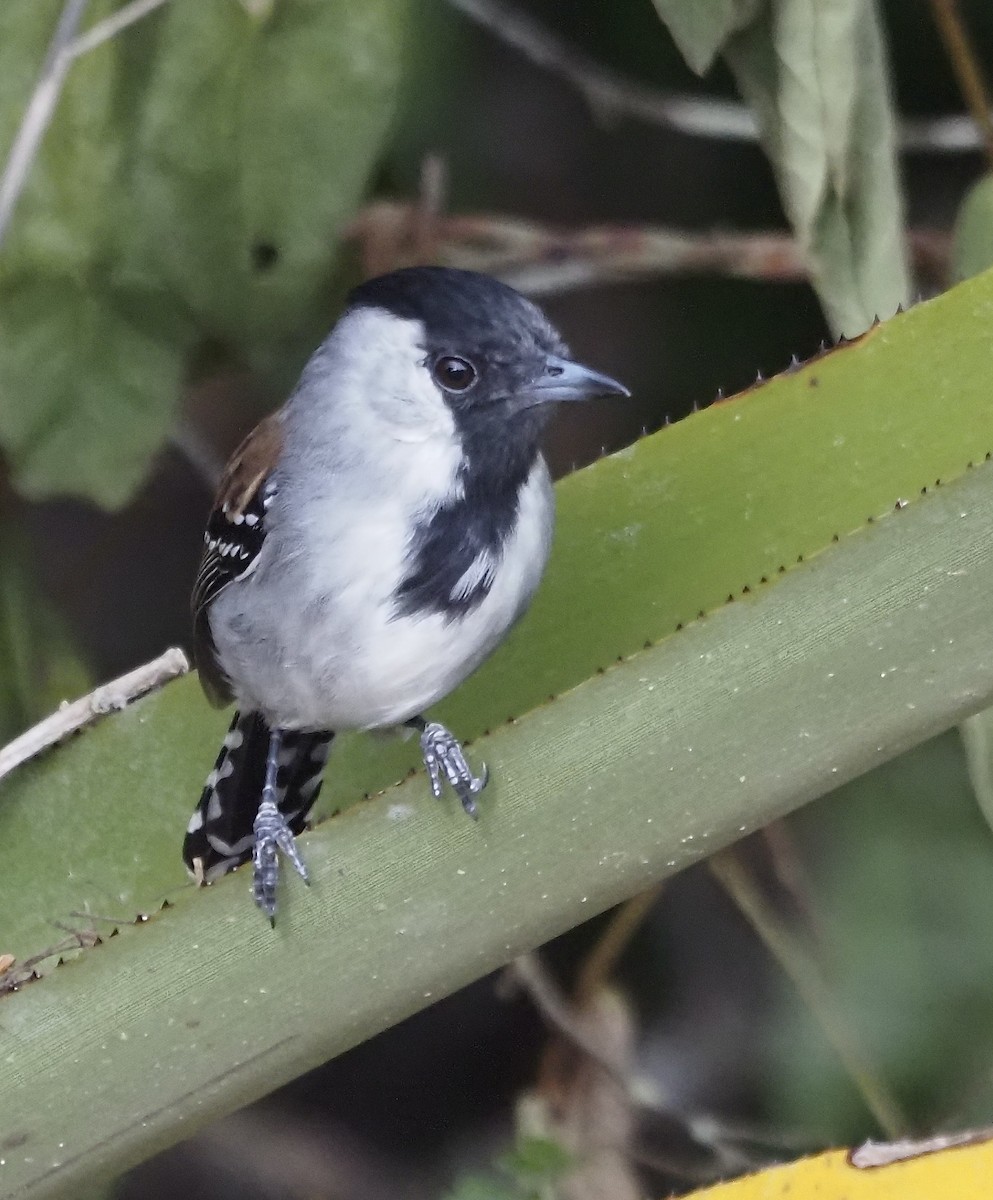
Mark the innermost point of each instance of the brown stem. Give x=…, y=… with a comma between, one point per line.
x=598, y=967
x=731, y=871
x=966, y=67
x=543, y=259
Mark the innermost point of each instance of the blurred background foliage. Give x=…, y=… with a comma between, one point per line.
x=172, y=246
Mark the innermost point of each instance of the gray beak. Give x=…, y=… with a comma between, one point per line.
x=565, y=380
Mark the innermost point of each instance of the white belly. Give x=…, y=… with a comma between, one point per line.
x=320, y=652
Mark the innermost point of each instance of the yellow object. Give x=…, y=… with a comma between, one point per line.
x=953, y=1167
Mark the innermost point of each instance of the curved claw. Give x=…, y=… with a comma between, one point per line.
x=272, y=835
x=446, y=761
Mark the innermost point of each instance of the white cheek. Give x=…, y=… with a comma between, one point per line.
x=381, y=376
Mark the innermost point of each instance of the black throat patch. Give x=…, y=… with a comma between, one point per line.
x=456, y=553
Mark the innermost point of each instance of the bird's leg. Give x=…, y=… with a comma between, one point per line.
x=272, y=834
x=445, y=760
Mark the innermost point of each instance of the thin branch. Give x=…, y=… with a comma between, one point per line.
x=883, y=1154
x=198, y=452
x=528, y=972
x=611, y=95
x=599, y=965
x=111, y=26
x=432, y=200
x=38, y=113
x=608, y=94
x=733, y=875
x=109, y=697
x=722, y=1139
x=14, y=974
x=955, y=134
x=62, y=51
x=543, y=260
x=962, y=56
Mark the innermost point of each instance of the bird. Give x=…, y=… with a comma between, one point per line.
x=371, y=543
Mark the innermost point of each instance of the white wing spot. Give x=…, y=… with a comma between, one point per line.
x=310, y=787
x=223, y=847
x=479, y=574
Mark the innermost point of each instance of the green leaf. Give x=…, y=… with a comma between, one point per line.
x=526, y=1171
x=482, y=1187
x=873, y=422
x=700, y=28
x=902, y=893
x=68, y=212
x=871, y=647
x=972, y=249
x=87, y=393
x=636, y=769
x=536, y=1161
x=758, y=483
x=193, y=186
x=972, y=252
x=817, y=78
x=254, y=139
x=38, y=667
x=977, y=741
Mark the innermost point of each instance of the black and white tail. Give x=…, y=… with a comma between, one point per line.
x=219, y=835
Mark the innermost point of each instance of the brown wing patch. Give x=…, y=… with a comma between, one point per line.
x=249, y=467
x=233, y=541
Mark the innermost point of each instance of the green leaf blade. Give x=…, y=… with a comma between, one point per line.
x=972, y=248
x=240, y=199
x=701, y=28
x=816, y=76
x=862, y=651
x=653, y=536
x=87, y=394
x=635, y=774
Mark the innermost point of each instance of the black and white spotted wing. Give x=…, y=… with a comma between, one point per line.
x=232, y=543
x=235, y=534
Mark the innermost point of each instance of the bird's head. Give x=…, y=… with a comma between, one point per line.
x=436, y=336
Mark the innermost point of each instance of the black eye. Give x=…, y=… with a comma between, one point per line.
x=454, y=374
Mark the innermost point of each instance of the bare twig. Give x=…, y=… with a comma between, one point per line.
x=15, y=974
x=599, y=965
x=883, y=1154
x=725, y=1141
x=71, y=717
x=788, y=866
x=528, y=972
x=608, y=94
x=431, y=206
x=736, y=879
x=542, y=260
x=39, y=111
x=611, y=95
x=955, y=134
x=962, y=56
x=63, y=49
x=198, y=452
x=111, y=26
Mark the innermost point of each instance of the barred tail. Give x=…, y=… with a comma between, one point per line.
x=219, y=835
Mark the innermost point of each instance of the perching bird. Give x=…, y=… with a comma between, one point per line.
x=371, y=543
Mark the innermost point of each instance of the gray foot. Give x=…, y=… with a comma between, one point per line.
x=272, y=834
x=445, y=760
